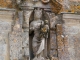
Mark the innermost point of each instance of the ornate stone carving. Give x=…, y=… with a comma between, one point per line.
x=35, y=26
x=40, y=29
x=45, y=1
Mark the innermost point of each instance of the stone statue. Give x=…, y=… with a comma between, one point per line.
x=35, y=26
x=38, y=42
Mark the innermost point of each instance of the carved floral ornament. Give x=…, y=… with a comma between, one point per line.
x=45, y=1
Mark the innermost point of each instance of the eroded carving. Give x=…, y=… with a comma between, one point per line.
x=40, y=28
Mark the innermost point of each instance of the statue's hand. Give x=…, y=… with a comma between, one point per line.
x=31, y=28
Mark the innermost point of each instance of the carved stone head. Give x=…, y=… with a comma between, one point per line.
x=37, y=13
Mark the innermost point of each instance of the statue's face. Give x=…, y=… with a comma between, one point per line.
x=38, y=14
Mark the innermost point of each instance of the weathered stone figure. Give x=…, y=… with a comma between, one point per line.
x=40, y=29
x=35, y=26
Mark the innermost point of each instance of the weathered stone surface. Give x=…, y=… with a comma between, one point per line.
x=68, y=35
x=5, y=28
x=54, y=58
x=19, y=37
x=53, y=45
x=27, y=16
x=3, y=53
x=15, y=39
x=60, y=43
x=5, y=3
x=71, y=31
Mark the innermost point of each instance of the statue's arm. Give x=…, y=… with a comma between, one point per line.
x=31, y=28
x=48, y=28
x=42, y=23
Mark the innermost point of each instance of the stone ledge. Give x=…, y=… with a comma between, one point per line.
x=71, y=16
x=6, y=9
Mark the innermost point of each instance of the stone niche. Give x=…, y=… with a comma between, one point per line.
x=45, y=16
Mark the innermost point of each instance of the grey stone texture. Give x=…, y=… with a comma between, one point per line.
x=14, y=36
x=19, y=37
x=71, y=29
x=15, y=39
x=5, y=28
x=53, y=45
x=68, y=40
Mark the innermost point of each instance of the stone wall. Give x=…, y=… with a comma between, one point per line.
x=68, y=37
x=14, y=35
x=19, y=37
x=71, y=30
x=5, y=28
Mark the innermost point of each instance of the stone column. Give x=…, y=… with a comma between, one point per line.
x=53, y=45
x=25, y=42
